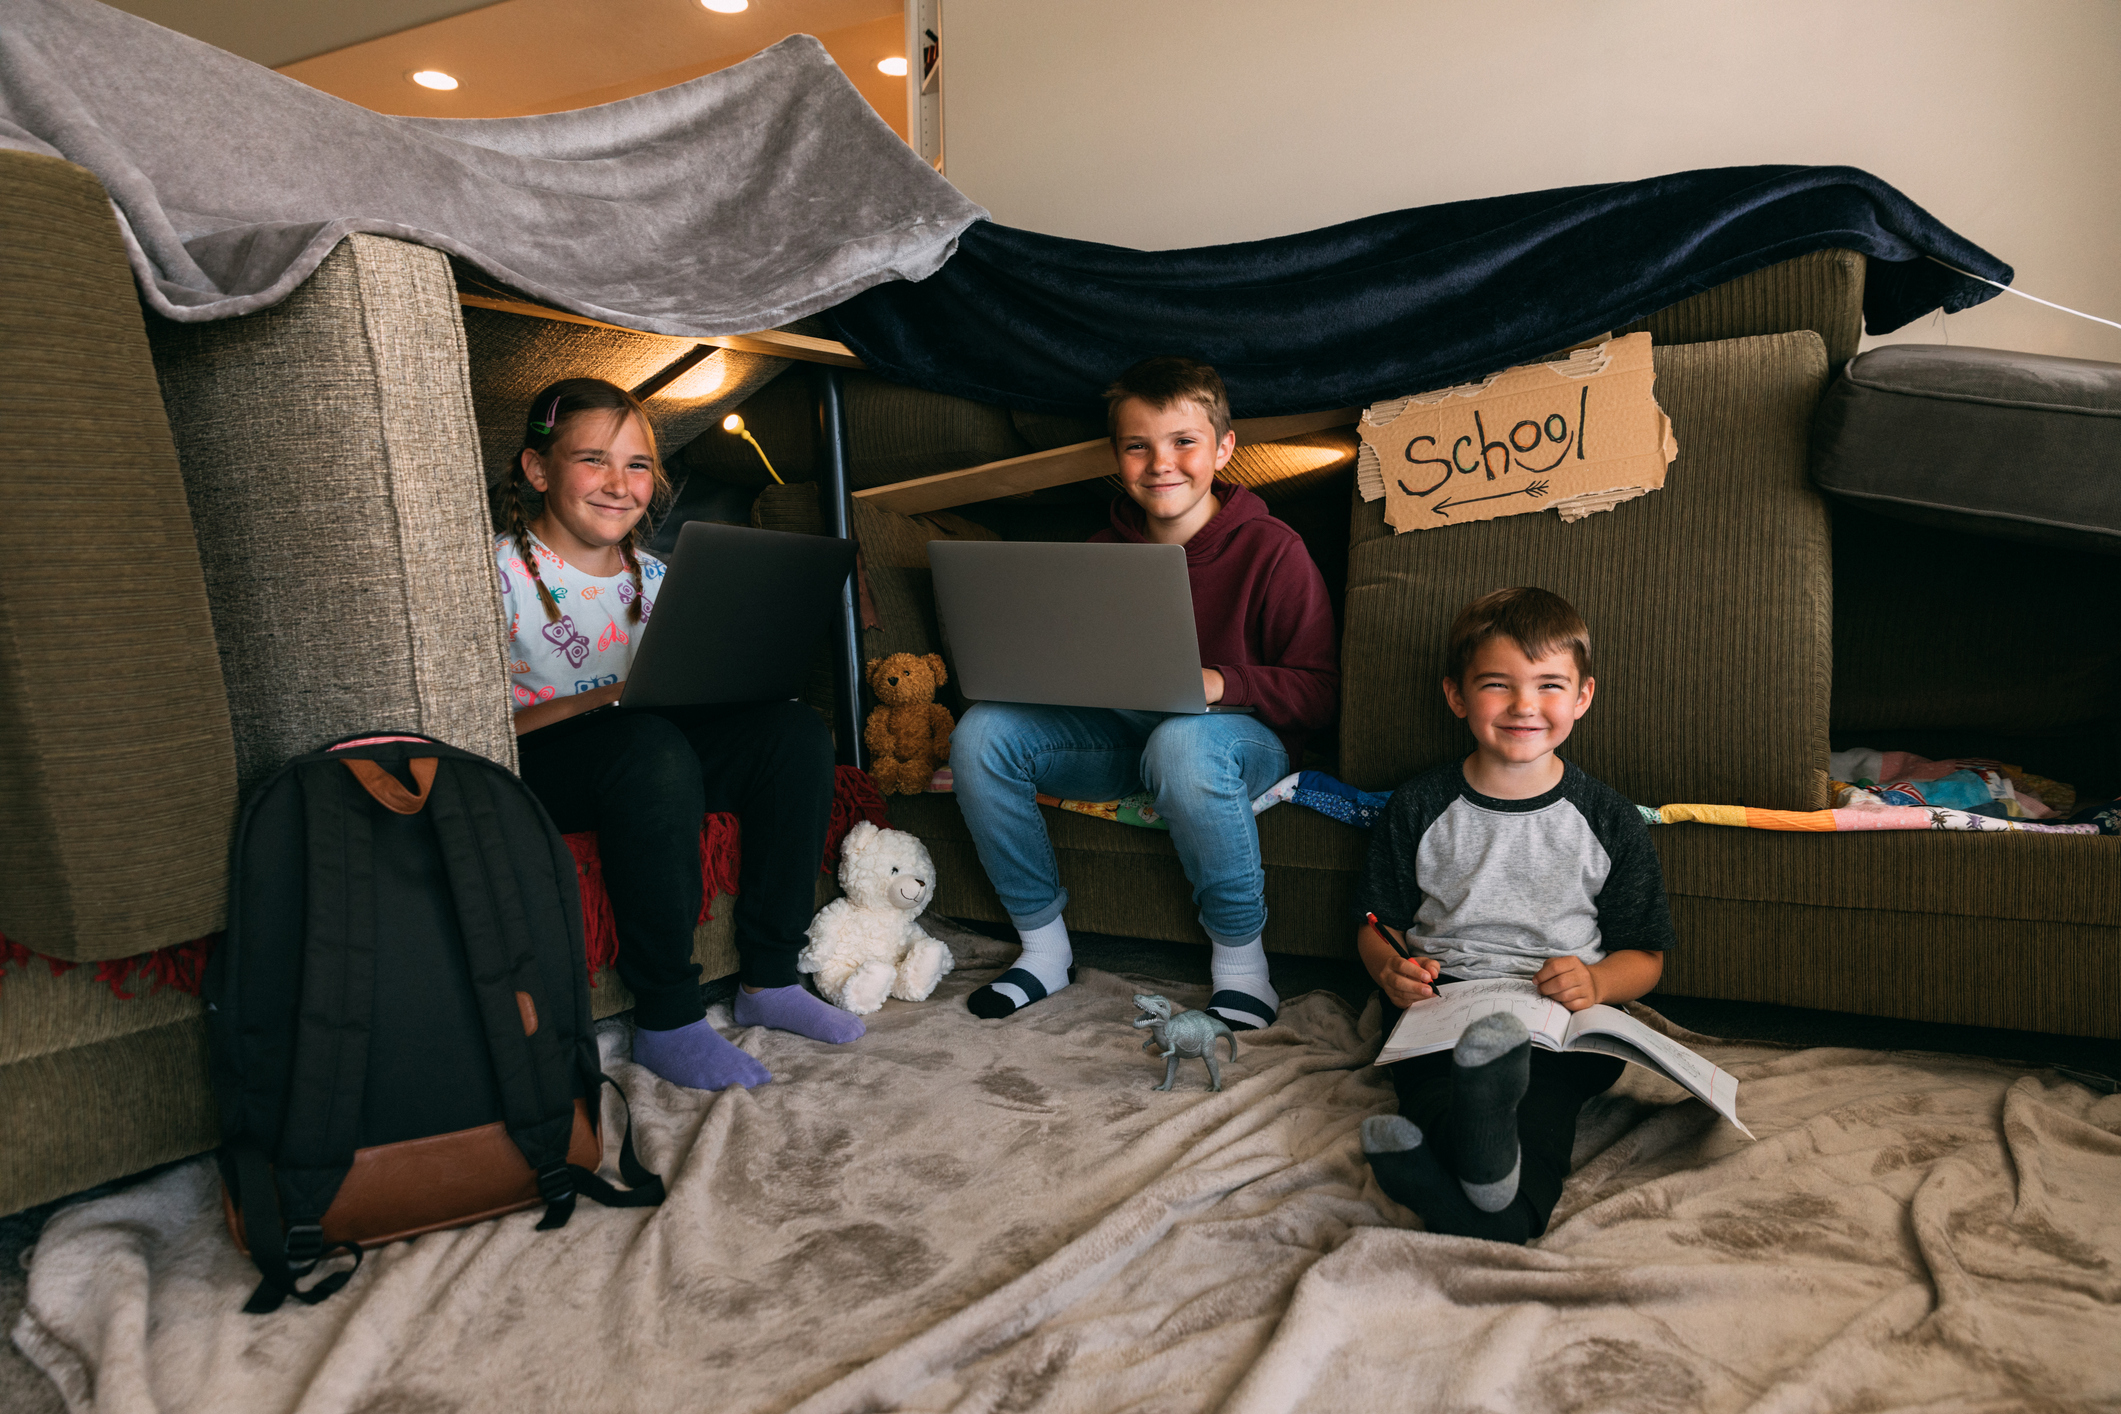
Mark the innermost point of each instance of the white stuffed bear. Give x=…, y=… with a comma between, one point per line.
x=866, y=946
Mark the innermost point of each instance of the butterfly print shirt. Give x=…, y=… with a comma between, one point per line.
x=590, y=646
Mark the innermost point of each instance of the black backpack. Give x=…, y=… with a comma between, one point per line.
x=399, y=1012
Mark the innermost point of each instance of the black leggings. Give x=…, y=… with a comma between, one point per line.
x=642, y=779
x=1546, y=1124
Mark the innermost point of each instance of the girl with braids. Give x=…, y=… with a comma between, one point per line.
x=577, y=587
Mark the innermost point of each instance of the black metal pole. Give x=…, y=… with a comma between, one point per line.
x=838, y=511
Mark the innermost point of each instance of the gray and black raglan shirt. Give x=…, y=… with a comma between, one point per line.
x=1493, y=888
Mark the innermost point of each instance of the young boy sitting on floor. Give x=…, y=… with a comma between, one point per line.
x=1265, y=629
x=1512, y=863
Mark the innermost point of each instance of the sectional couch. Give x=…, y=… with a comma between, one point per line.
x=230, y=542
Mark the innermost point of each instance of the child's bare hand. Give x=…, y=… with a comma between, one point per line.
x=1568, y=981
x=1407, y=980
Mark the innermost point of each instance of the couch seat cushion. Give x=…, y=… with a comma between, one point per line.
x=2016, y=446
x=2006, y=930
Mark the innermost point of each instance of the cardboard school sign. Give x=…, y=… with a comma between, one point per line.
x=1579, y=434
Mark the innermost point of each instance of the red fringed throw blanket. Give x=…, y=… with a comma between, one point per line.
x=183, y=965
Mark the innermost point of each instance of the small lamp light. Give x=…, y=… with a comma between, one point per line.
x=433, y=78
x=894, y=67
x=735, y=424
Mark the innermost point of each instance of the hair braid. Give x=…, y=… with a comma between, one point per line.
x=519, y=532
x=633, y=562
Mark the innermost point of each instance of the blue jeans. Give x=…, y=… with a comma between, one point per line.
x=1201, y=771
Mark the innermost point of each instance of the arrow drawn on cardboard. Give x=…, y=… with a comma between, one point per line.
x=1535, y=490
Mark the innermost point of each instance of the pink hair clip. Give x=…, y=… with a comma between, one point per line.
x=544, y=429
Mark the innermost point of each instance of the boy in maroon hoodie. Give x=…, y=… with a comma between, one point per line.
x=1266, y=637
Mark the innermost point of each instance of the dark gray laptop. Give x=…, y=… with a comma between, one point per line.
x=1070, y=624
x=738, y=616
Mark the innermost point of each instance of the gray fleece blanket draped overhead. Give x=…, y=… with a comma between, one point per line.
x=735, y=202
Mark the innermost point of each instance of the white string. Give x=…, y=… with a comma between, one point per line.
x=2022, y=294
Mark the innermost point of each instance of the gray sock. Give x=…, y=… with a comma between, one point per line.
x=1490, y=1068
x=1413, y=1176
x=1390, y=1134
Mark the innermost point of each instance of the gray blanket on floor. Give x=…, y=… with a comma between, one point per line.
x=733, y=203
x=984, y=1215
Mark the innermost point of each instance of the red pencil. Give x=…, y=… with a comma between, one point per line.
x=1379, y=929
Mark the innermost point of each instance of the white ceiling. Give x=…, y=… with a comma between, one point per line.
x=276, y=32
x=544, y=56
x=514, y=57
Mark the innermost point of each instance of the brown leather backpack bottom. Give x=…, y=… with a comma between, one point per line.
x=396, y=1191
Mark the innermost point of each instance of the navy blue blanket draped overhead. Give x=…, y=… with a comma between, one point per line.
x=1392, y=304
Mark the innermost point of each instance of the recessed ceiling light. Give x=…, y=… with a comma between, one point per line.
x=433, y=78
x=727, y=7
x=894, y=66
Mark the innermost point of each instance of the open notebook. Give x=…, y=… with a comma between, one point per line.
x=1435, y=1025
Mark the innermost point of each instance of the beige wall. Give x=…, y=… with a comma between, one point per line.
x=1165, y=123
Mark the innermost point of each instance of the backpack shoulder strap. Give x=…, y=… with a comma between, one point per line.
x=644, y=1189
x=282, y=1256
x=533, y=1065
x=321, y=1119
x=500, y=916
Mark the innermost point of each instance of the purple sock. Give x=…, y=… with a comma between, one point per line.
x=792, y=1008
x=697, y=1057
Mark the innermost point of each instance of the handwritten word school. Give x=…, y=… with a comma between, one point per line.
x=1520, y=448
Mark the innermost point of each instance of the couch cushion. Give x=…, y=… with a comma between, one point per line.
x=332, y=463
x=895, y=433
x=117, y=768
x=1709, y=602
x=98, y=1111
x=1913, y=923
x=1821, y=291
x=2017, y=446
x=890, y=539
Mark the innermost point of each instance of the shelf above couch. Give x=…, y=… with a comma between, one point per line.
x=779, y=343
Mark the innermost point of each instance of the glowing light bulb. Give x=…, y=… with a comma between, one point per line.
x=433, y=78
x=732, y=423
x=727, y=7
x=895, y=66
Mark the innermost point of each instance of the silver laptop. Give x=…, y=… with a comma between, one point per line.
x=1069, y=624
x=738, y=617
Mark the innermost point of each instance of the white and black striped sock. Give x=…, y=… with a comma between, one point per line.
x=1238, y=978
x=1040, y=970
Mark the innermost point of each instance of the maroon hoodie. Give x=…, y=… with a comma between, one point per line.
x=1260, y=611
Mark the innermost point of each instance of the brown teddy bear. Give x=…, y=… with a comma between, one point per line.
x=909, y=731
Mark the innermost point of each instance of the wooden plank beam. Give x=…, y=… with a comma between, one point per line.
x=777, y=342
x=1062, y=466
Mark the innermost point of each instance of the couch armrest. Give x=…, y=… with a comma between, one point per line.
x=332, y=461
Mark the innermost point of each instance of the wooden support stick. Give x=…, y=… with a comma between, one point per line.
x=1062, y=466
x=777, y=342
